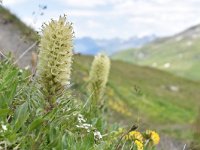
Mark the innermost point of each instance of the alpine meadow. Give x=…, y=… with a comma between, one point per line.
x=53, y=97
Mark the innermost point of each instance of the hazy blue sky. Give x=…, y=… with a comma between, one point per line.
x=113, y=18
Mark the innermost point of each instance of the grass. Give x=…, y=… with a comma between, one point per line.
x=146, y=95
x=27, y=122
x=168, y=50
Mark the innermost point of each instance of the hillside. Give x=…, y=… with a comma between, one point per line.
x=146, y=96
x=15, y=36
x=179, y=54
x=135, y=95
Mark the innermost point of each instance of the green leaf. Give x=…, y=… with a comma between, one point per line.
x=35, y=124
x=11, y=93
x=8, y=86
x=55, y=142
x=4, y=112
x=8, y=79
x=21, y=116
x=64, y=141
x=88, y=141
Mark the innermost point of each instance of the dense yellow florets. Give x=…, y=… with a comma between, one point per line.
x=55, y=56
x=153, y=136
x=141, y=140
x=134, y=135
x=139, y=145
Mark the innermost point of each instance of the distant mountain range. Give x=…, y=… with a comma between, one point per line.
x=179, y=54
x=90, y=46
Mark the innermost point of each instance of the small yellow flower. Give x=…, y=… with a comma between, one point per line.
x=153, y=136
x=139, y=145
x=134, y=135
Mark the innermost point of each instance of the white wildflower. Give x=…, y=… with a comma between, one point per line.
x=4, y=127
x=81, y=119
x=86, y=126
x=97, y=135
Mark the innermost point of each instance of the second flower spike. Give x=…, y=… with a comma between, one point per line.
x=98, y=78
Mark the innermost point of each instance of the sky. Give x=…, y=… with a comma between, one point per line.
x=112, y=18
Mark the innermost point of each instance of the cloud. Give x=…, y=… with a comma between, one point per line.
x=12, y=2
x=134, y=17
x=162, y=18
x=93, y=24
x=119, y=18
x=91, y=3
x=84, y=13
x=83, y=3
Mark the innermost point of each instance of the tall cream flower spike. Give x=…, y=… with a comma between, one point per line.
x=98, y=77
x=55, y=56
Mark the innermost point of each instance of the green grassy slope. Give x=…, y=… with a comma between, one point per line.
x=179, y=54
x=141, y=94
